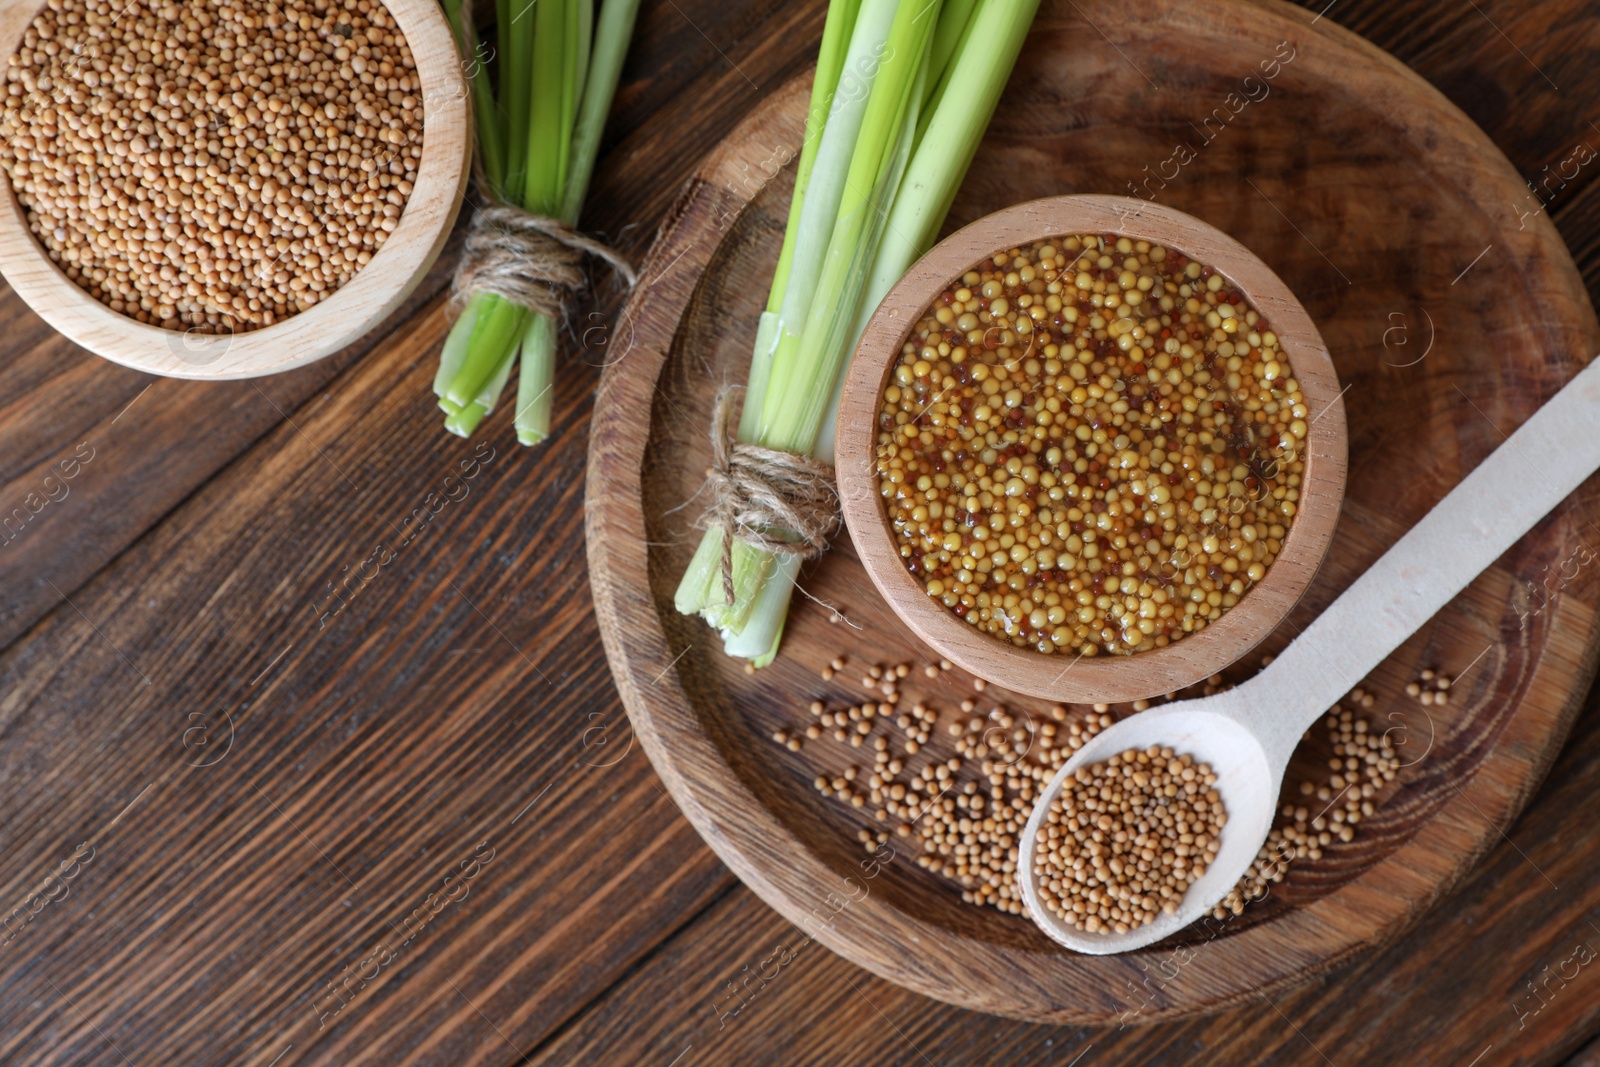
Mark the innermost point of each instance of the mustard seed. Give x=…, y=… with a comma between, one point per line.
x=210, y=166
x=1102, y=458
x=1369, y=762
x=1431, y=687
x=1126, y=838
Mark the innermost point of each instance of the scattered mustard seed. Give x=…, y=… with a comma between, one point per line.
x=1431, y=687
x=1364, y=762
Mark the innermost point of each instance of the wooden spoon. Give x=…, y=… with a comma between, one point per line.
x=1248, y=733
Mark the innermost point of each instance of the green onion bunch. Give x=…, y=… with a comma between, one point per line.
x=904, y=90
x=556, y=63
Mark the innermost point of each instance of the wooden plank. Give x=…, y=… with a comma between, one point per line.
x=1588, y=1056
x=1578, y=222
x=149, y=443
x=373, y=748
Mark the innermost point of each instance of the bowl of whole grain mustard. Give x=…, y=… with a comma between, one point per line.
x=226, y=188
x=1091, y=448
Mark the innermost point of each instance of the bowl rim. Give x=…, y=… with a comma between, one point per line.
x=1100, y=678
x=374, y=292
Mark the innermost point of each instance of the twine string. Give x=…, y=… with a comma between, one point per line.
x=778, y=501
x=532, y=260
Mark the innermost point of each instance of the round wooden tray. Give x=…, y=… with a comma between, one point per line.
x=1450, y=313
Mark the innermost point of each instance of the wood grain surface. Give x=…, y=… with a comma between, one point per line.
x=207, y=925
x=1482, y=364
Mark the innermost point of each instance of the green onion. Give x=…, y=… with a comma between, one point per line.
x=539, y=132
x=896, y=118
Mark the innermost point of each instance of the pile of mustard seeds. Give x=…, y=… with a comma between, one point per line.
x=1126, y=838
x=1091, y=445
x=211, y=166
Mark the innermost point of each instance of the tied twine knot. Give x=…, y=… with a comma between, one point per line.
x=760, y=495
x=531, y=260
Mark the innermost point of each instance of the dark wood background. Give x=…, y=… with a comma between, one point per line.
x=229, y=814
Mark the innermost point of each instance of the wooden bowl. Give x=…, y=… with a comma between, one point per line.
x=356, y=307
x=1109, y=678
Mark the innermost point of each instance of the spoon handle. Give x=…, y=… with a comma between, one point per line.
x=1548, y=457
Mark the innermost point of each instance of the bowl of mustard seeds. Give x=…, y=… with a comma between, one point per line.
x=226, y=188
x=1091, y=449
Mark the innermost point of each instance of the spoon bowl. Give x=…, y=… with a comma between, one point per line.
x=1211, y=730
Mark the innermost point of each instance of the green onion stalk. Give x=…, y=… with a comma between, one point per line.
x=538, y=134
x=903, y=93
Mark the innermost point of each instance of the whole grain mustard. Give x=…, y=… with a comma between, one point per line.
x=1091, y=445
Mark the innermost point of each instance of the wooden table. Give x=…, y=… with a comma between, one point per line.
x=245, y=822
